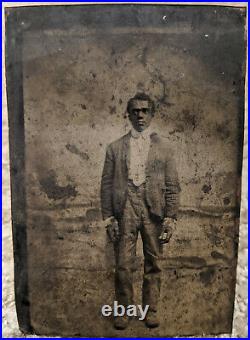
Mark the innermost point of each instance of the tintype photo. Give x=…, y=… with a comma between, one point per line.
x=126, y=136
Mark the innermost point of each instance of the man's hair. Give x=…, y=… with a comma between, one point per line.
x=141, y=96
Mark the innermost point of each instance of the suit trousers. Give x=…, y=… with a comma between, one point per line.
x=136, y=218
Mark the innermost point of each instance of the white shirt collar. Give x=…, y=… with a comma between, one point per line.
x=144, y=134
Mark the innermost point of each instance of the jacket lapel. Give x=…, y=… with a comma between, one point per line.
x=126, y=150
x=151, y=155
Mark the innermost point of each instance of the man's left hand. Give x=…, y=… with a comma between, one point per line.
x=168, y=227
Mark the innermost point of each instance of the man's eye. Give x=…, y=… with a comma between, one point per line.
x=144, y=110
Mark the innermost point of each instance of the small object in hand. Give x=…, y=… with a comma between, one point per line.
x=166, y=234
x=113, y=230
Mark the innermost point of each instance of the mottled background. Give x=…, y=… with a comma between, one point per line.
x=76, y=85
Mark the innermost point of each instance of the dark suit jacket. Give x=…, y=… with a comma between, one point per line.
x=162, y=187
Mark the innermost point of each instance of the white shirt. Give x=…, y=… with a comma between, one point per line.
x=139, y=148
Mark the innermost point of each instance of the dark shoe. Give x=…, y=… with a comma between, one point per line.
x=121, y=322
x=152, y=320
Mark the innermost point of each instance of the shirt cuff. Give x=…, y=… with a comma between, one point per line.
x=108, y=220
x=169, y=219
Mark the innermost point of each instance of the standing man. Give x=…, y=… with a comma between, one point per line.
x=139, y=193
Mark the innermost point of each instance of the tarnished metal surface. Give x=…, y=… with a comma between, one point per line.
x=76, y=84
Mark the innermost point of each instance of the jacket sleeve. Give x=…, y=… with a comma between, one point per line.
x=172, y=187
x=107, y=184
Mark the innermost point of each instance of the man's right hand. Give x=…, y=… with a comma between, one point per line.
x=113, y=229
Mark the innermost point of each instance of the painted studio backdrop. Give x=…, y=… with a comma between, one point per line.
x=70, y=72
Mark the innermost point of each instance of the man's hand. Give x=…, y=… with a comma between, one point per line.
x=168, y=226
x=113, y=229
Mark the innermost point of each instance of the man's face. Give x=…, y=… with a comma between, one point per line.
x=140, y=115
